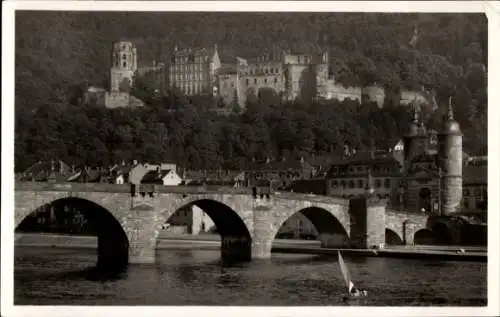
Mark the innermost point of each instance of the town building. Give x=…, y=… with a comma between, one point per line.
x=280, y=173
x=47, y=171
x=352, y=175
x=423, y=173
x=475, y=184
x=133, y=173
x=86, y=174
x=166, y=177
x=191, y=220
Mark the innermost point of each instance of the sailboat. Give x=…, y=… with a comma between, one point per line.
x=352, y=291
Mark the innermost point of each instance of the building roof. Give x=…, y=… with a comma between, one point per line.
x=204, y=51
x=364, y=158
x=430, y=156
x=44, y=170
x=155, y=175
x=86, y=174
x=275, y=165
x=227, y=69
x=228, y=59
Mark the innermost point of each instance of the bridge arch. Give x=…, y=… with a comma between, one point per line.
x=232, y=222
x=423, y=236
x=112, y=239
x=442, y=233
x=392, y=237
x=331, y=221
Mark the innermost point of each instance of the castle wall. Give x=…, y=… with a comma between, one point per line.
x=121, y=100
x=408, y=96
x=374, y=94
x=229, y=88
x=299, y=82
x=263, y=73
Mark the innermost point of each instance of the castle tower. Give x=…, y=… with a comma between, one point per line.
x=124, y=65
x=450, y=156
x=415, y=141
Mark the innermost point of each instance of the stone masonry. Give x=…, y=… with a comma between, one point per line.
x=243, y=221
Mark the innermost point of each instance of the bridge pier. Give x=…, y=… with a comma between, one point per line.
x=236, y=248
x=261, y=250
x=140, y=254
x=263, y=230
x=368, y=222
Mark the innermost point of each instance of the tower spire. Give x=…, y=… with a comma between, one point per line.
x=414, y=112
x=450, y=109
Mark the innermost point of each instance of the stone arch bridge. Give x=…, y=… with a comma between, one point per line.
x=129, y=219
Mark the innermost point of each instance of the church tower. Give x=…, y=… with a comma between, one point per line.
x=415, y=141
x=450, y=157
x=124, y=65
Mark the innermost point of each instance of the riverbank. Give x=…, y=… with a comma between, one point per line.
x=212, y=242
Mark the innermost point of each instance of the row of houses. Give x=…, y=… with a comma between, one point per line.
x=132, y=173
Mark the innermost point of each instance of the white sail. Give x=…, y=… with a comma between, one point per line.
x=345, y=273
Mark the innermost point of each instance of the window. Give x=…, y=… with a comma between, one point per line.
x=330, y=72
x=248, y=81
x=124, y=64
x=351, y=183
x=466, y=192
x=265, y=80
x=298, y=59
x=342, y=183
x=255, y=80
x=124, y=56
x=377, y=183
x=275, y=80
x=335, y=183
x=387, y=183
x=265, y=70
x=360, y=183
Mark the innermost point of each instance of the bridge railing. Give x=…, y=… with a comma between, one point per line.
x=126, y=188
x=312, y=197
x=147, y=188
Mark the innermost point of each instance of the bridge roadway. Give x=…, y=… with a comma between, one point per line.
x=129, y=218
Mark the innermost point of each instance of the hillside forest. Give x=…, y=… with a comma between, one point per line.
x=59, y=54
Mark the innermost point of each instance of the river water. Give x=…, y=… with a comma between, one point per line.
x=51, y=276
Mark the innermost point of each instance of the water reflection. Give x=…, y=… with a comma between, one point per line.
x=195, y=277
